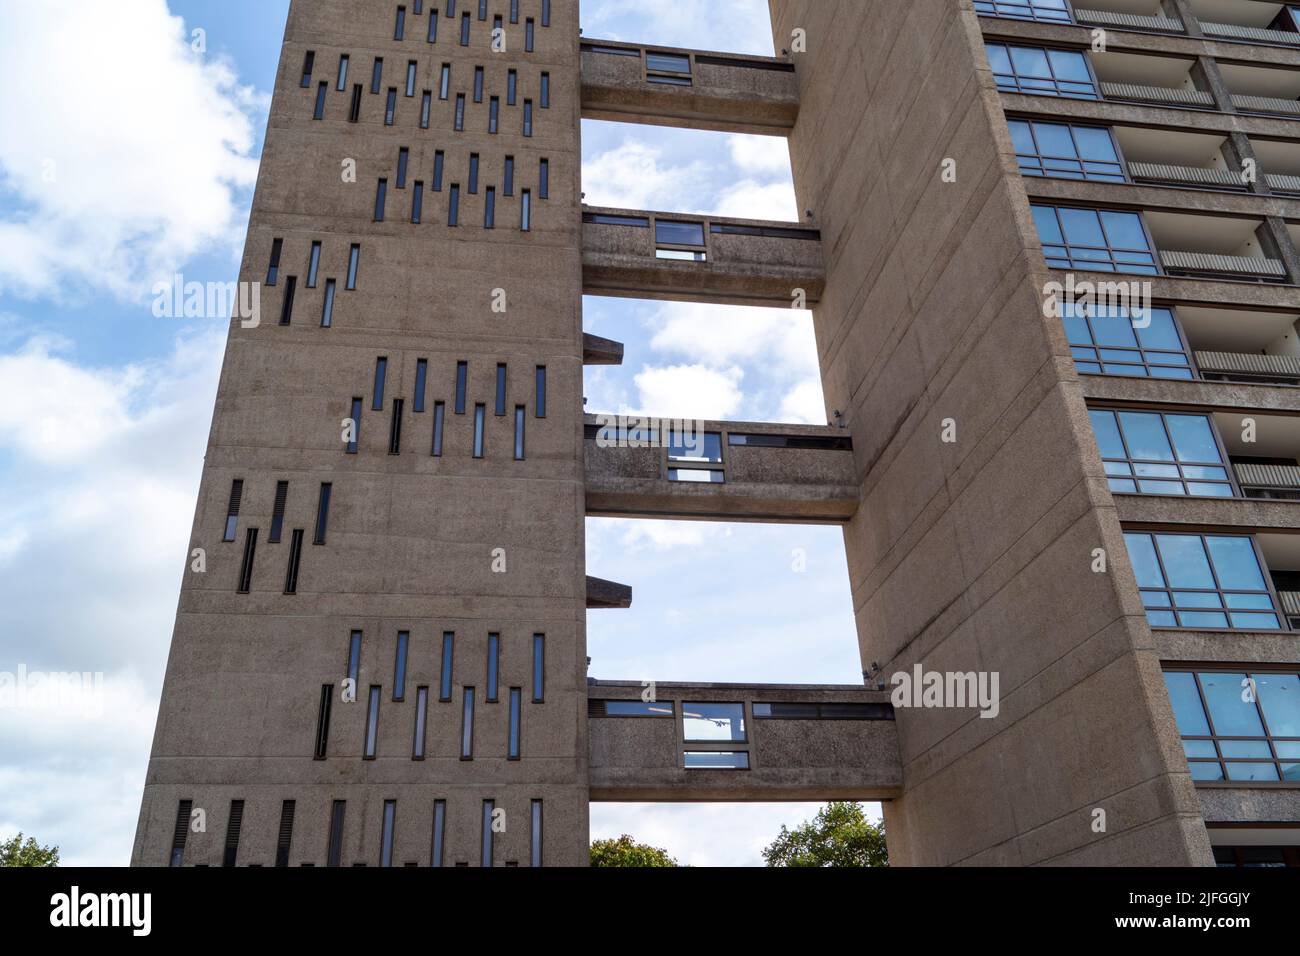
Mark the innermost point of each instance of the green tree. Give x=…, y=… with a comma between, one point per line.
x=627, y=852
x=840, y=835
x=14, y=852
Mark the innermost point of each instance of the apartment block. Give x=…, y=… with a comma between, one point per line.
x=1049, y=254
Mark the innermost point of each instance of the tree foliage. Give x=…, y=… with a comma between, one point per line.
x=840, y=835
x=14, y=852
x=627, y=852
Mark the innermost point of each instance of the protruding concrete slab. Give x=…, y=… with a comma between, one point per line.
x=597, y=350
x=607, y=594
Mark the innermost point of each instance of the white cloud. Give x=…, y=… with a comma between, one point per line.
x=760, y=154
x=804, y=404
x=631, y=176
x=751, y=200
x=720, y=334
x=689, y=391
x=657, y=535
x=124, y=152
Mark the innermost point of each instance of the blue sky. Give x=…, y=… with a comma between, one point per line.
x=111, y=180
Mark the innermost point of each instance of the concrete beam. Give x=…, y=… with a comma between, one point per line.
x=1209, y=514
x=720, y=91
x=602, y=594
x=743, y=261
x=763, y=481
x=597, y=350
x=819, y=757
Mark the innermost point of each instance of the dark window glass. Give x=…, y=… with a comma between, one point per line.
x=273, y=270
x=377, y=75
x=479, y=413
x=451, y=8
x=386, y=840
x=485, y=850
x=421, y=379
x=1201, y=581
x=390, y=108
x=494, y=111
x=399, y=28
x=417, y=202
x=354, y=656
x=295, y=559
x=319, y=111
x=403, y=159
x=671, y=63
x=399, y=666
x=354, y=260
x=606, y=219
x=473, y=174
x=501, y=389
x=462, y=375
x=539, y=668
x=1066, y=151
x=546, y=22
x=444, y=82
x=478, y=84
x=544, y=179
x=464, y=30
x=323, y=512
x=715, y=760
x=356, y=426
x=546, y=91
x=277, y=512
x=791, y=441
x=381, y=193
x=453, y=205
x=343, y=73
x=395, y=428
x=512, y=749
x=232, y=509
x=482, y=9
x=410, y=77
x=493, y=666
x=512, y=86
x=448, y=653
x=539, y=397
x=514, y=11
x=439, y=411
x=1096, y=240
x=323, y=721
x=433, y=26
x=246, y=568
x=354, y=108
x=460, y=112
x=508, y=183
x=426, y=103
x=528, y=35
x=233, y=826
x=490, y=208
x=528, y=117
x=313, y=265
x=285, y=837
x=381, y=370
x=286, y=304
x=372, y=722
x=439, y=824
x=521, y=416
x=335, y=852
x=703, y=722
x=695, y=446
x=467, y=725
x=535, y=815
x=421, y=722
x=1030, y=69
x=668, y=232
x=308, y=62
x=179, y=833
x=637, y=708
x=525, y=210
x=437, y=171
x=1053, y=11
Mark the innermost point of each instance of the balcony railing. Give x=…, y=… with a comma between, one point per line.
x=1290, y=605
x=1204, y=263
x=1158, y=94
x=1132, y=21
x=1185, y=175
x=1249, y=367
x=1266, y=104
x=1282, y=182
x=1268, y=481
x=1230, y=31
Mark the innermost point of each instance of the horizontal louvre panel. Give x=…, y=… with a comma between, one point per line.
x=1132, y=20
x=1185, y=174
x=236, y=494
x=1260, y=34
x=1157, y=94
x=281, y=495
x=1268, y=476
x=1266, y=104
x=1283, y=182
x=1207, y=262
x=182, y=824
x=1279, y=365
x=1290, y=601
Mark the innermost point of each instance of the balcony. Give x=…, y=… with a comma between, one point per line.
x=1259, y=89
x=1243, y=345
x=730, y=471
x=1214, y=247
x=1246, y=21
x=628, y=83
x=1279, y=162
x=728, y=261
x=1177, y=158
x=701, y=742
x=1138, y=78
x=1146, y=15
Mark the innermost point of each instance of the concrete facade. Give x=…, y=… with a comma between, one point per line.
x=961, y=463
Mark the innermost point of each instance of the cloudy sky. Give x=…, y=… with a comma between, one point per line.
x=114, y=179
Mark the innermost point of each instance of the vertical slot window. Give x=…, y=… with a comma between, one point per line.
x=277, y=511
x=494, y=113
x=356, y=426
x=421, y=722
x=234, y=823
x=462, y=375
x=399, y=28
x=286, y=304
x=354, y=656
x=377, y=75
x=473, y=174
x=426, y=103
x=528, y=35
x=343, y=73
x=439, y=413
x=381, y=196
x=410, y=77
x=546, y=22
x=467, y=725
x=438, y=160
x=354, y=108
x=539, y=396
x=399, y=665
x=372, y=722
x=512, y=746
x=501, y=388
x=308, y=63
x=246, y=566
x=512, y=86
x=489, y=808
x=313, y=265
x=444, y=82
x=544, y=179
x=319, y=111
x=295, y=561
x=459, y=124
x=381, y=370
x=508, y=182
x=535, y=827
x=464, y=29
x=453, y=205
x=490, y=208
x=323, y=512
x=493, y=667
x=386, y=840
x=526, y=210
x=180, y=832
x=448, y=660
x=232, y=509
x=545, y=95
x=354, y=260
x=327, y=306
x=482, y=9
x=479, y=413
x=514, y=11
x=390, y=107
x=334, y=854
x=478, y=84
x=521, y=416
x=421, y=380
x=528, y=117
x=432, y=35
x=403, y=160
x=285, y=835
x=395, y=428
x=323, y=721
x=273, y=269
x=439, y=826
x=539, y=668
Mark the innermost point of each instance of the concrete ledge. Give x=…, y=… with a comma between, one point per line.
x=1142, y=114
x=1146, y=196
x=1204, y=396
x=1165, y=289
x=1230, y=803
x=1239, y=514
x=1244, y=647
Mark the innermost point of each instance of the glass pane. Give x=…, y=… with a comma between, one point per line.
x=680, y=233
x=1193, y=438
x=1076, y=330
x=1279, y=696
x=716, y=761
x=1094, y=143
x=1054, y=139
x=1124, y=229
x=1202, y=619
x=1161, y=333
x=1252, y=771
x=1048, y=230
x=1030, y=61
x=1235, y=563
x=1186, y=702
x=1146, y=436
x=1142, y=555
x=1107, y=432
x=1199, y=748
x=1255, y=622
x=1231, y=716
x=637, y=708
x=998, y=58
x=668, y=63
x=1068, y=65
x=1082, y=227
x=1206, y=771
x=1184, y=560
x=1114, y=329
x=1246, y=748
x=1021, y=138
x=713, y=721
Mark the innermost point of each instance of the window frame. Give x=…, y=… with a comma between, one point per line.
x=994, y=11
x=1046, y=48
x=1081, y=265
x=1070, y=125
x=1164, y=414
x=1144, y=352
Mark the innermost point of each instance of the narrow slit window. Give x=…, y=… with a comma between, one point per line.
x=493, y=666
x=448, y=660
x=545, y=94
x=354, y=656
x=386, y=839
x=354, y=260
x=494, y=113
x=439, y=413
x=539, y=397
x=246, y=566
x=354, y=108
x=313, y=265
x=528, y=117
x=439, y=826
x=286, y=304
x=343, y=73
x=489, y=810
x=421, y=380
x=410, y=77
x=334, y=854
x=501, y=388
x=478, y=84
x=319, y=111
x=399, y=28
x=327, y=306
x=528, y=35
x=308, y=63
x=432, y=36
x=377, y=75
x=355, y=427
x=390, y=108
x=381, y=195
x=464, y=29
x=323, y=721
x=453, y=205
x=395, y=428
x=417, y=202
x=372, y=722
x=473, y=174
x=512, y=748
x=467, y=725
x=460, y=113
x=277, y=511
x=403, y=160
x=512, y=86
x=438, y=160
x=444, y=82
x=182, y=830
x=521, y=416
x=421, y=722
x=539, y=668
x=381, y=371
x=544, y=179
x=426, y=103
x=232, y=509
x=482, y=9
x=273, y=269
x=285, y=835
x=399, y=665
x=514, y=11
x=295, y=560
x=490, y=208
x=462, y=374
x=234, y=823
x=323, y=512
x=546, y=22
x=526, y=210
x=535, y=815
x=480, y=411
x=508, y=182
